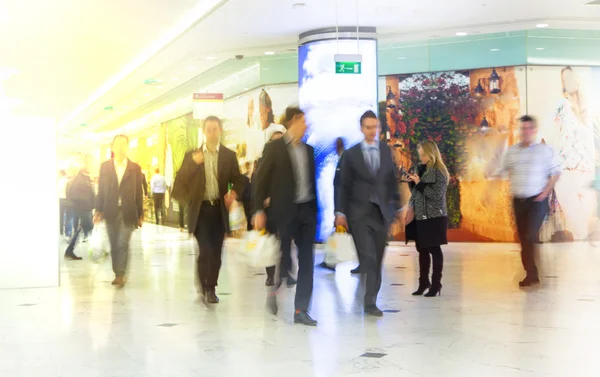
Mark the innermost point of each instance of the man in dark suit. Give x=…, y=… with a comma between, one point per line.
x=368, y=203
x=286, y=174
x=203, y=184
x=120, y=203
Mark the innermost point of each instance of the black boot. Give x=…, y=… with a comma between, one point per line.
x=423, y=286
x=424, y=262
x=436, y=277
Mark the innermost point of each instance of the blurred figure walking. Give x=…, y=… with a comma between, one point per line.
x=81, y=198
x=120, y=203
x=286, y=175
x=533, y=169
x=158, y=186
x=203, y=182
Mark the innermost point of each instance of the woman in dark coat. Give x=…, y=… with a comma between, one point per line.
x=430, y=224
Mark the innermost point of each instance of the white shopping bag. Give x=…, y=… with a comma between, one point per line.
x=260, y=249
x=237, y=217
x=99, y=246
x=340, y=248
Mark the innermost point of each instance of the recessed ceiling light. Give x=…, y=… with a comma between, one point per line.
x=541, y=26
x=495, y=49
x=245, y=88
x=159, y=87
x=461, y=33
x=147, y=94
x=191, y=68
x=539, y=48
x=174, y=79
x=402, y=58
x=125, y=107
x=136, y=101
x=211, y=58
x=269, y=53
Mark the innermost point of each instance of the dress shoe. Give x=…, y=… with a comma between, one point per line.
x=270, y=282
x=529, y=281
x=423, y=286
x=291, y=282
x=373, y=310
x=119, y=282
x=304, y=318
x=326, y=266
x=71, y=256
x=211, y=297
x=356, y=270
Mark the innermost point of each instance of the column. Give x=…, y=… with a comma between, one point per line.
x=337, y=84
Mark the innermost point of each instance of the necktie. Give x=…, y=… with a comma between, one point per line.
x=374, y=164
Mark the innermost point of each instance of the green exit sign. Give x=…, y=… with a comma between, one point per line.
x=348, y=68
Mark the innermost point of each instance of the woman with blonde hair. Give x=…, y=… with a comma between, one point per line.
x=427, y=219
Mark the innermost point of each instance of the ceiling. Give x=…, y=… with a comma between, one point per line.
x=67, y=51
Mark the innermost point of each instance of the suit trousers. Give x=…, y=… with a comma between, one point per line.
x=159, y=205
x=370, y=235
x=181, y=215
x=302, y=230
x=119, y=237
x=210, y=234
x=529, y=215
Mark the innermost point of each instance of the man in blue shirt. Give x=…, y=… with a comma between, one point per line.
x=158, y=186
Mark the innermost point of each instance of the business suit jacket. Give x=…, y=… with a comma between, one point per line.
x=130, y=191
x=357, y=184
x=275, y=179
x=190, y=184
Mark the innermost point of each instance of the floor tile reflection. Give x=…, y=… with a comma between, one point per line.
x=482, y=325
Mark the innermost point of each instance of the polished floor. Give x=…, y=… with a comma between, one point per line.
x=482, y=325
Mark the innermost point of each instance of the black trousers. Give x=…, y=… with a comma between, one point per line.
x=248, y=213
x=159, y=205
x=210, y=234
x=529, y=215
x=425, y=257
x=181, y=215
x=370, y=236
x=302, y=230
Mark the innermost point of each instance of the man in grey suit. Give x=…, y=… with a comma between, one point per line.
x=368, y=201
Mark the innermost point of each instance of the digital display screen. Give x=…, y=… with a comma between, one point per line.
x=333, y=104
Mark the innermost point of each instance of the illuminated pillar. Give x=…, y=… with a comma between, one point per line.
x=337, y=84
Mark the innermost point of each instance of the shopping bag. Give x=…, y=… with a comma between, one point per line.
x=99, y=246
x=237, y=217
x=340, y=248
x=260, y=249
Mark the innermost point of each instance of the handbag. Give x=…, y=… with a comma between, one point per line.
x=99, y=245
x=340, y=248
x=409, y=215
x=260, y=249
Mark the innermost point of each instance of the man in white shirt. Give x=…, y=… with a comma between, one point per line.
x=533, y=169
x=120, y=203
x=158, y=186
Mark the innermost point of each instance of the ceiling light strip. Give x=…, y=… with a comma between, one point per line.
x=203, y=9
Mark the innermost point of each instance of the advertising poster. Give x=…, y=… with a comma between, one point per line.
x=473, y=116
